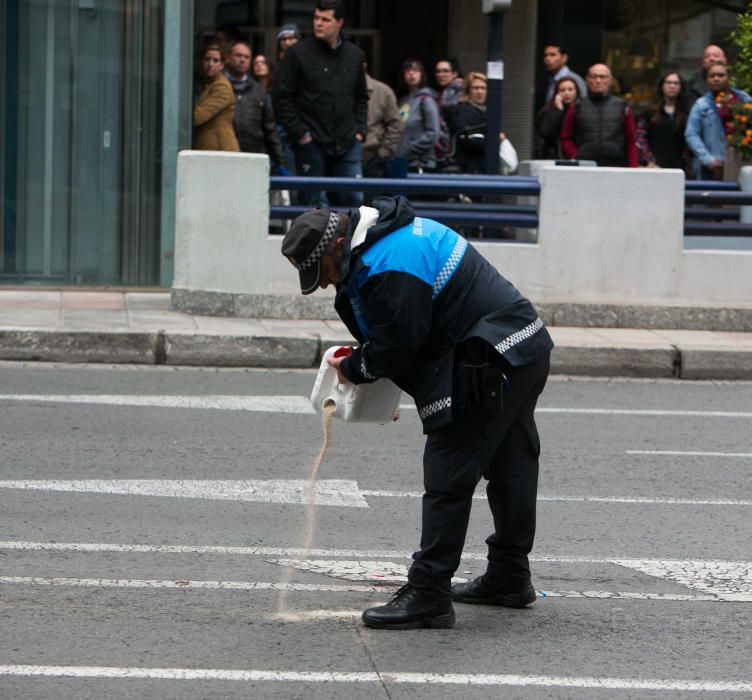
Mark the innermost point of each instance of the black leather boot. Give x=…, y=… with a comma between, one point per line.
x=484, y=590
x=408, y=609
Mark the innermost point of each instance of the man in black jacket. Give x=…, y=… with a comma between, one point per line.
x=321, y=100
x=600, y=126
x=430, y=313
x=253, y=120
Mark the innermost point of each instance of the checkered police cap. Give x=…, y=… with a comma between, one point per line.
x=305, y=243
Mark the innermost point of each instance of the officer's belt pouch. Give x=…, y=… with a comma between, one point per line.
x=479, y=386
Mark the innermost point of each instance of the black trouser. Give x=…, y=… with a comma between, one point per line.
x=503, y=447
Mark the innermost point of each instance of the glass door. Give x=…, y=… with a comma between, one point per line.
x=79, y=175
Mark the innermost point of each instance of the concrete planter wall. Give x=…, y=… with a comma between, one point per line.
x=607, y=236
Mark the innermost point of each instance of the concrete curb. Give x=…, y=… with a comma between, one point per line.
x=304, y=351
x=578, y=315
x=699, y=363
x=242, y=351
x=616, y=362
x=125, y=347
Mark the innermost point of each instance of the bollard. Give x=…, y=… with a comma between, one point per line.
x=745, y=185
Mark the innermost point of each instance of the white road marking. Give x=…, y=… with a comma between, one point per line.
x=95, y=547
x=684, y=453
x=185, y=584
x=655, y=501
x=359, y=570
x=731, y=581
x=328, y=492
x=386, y=587
x=726, y=580
x=227, y=550
x=302, y=404
x=634, y=595
x=646, y=412
x=315, y=615
x=378, y=493
x=379, y=678
x=267, y=404
x=368, y=570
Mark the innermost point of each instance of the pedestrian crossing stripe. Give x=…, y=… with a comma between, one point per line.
x=326, y=492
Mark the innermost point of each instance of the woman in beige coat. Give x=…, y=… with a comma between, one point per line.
x=212, y=114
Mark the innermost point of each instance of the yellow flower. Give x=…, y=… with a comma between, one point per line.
x=748, y=105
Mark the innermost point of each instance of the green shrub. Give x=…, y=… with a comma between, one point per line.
x=742, y=38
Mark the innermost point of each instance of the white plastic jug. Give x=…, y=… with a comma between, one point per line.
x=363, y=403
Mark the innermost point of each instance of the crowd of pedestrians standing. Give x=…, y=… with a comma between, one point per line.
x=685, y=126
x=321, y=114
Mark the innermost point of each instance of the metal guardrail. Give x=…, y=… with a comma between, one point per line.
x=718, y=197
x=704, y=214
x=462, y=215
x=717, y=228
x=696, y=212
x=485, y=214
x=707, y=211
x=424, y=185
x=710, y=185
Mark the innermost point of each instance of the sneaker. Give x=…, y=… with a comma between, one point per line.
x=408, y=609
x=484, y=591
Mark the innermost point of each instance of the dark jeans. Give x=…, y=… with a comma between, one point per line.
x=375, y=166
x=503, y=447
x=313, y=161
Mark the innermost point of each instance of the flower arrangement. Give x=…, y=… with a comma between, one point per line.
x=737, y=117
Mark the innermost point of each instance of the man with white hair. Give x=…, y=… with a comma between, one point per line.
x=600, y=126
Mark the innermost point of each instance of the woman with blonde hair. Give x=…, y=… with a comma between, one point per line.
x=214, y=110
x=467, y=124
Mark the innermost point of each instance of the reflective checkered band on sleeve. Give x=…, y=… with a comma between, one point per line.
x=449, y=266
x=434, y=407
x=318, y=251
x=363, y=369
x=519, y=336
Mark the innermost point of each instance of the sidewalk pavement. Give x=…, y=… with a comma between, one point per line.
x=104, y=326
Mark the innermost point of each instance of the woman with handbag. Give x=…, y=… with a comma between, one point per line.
x=467, y=124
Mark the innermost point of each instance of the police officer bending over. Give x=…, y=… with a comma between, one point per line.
x=434, y=316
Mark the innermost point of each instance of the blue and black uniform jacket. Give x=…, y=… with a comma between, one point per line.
x=411, y=291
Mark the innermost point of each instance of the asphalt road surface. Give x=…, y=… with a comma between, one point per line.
x=152, y=519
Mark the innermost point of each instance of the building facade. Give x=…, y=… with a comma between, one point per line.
x=96, y=101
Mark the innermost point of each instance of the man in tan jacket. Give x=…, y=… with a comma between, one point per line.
x=384, y=127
